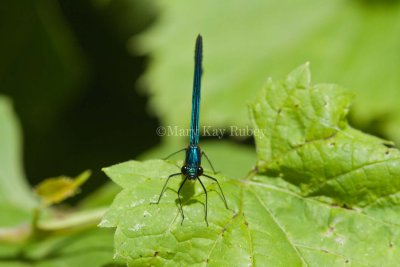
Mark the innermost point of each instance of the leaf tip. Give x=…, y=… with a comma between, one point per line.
x=82, y=178
x=300, y=77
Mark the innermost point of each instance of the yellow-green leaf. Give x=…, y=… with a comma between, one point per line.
x=55, y=190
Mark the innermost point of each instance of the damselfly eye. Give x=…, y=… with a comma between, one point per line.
x=184, y=170
x=199, y=171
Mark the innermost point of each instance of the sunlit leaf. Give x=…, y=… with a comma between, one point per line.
x=266, y=223
x=307, y=141
x=317, y=197
x=352, y=43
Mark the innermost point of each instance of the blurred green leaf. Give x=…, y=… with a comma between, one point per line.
x=14, y=190
x=54, y=190
x=16, y=198
x=352, y=43
x=93, y=247
x=306, y=140
x=14, y=264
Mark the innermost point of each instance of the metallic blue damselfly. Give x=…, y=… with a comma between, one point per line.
x=191, y=169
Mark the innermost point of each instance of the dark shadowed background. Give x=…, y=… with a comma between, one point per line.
x=66, y=67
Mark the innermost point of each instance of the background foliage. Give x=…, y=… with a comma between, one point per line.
x=68, y=71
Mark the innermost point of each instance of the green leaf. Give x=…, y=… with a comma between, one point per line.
x=92, y=246
x=307, y=141
x=13, y=187
x=54, y=190
x=342, y=39
x=285, y=212
x=266, y=223
x=76, y=250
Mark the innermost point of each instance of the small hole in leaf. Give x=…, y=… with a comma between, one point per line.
x=155, y=254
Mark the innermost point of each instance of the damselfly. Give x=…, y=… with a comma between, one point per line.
x=191, y=169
